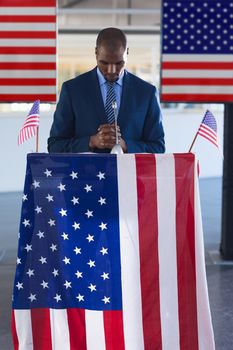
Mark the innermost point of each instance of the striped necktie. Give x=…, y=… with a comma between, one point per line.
x=111, y=97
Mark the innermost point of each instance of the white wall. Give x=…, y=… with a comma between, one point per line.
x=180, y=128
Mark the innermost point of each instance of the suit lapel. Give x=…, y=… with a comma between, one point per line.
x=97, y=97
x=125, y=97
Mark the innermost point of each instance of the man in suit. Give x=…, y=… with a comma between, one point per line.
x=81, y=120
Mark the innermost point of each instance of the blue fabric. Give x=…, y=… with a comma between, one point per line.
x=80, y=112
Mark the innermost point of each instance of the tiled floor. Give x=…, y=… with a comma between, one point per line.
x=219, y=275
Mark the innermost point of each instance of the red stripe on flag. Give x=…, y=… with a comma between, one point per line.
x=148, y=242
x=27, y=3
x=197, y=81
x=27, y=97
x=28, y=65
x=28, y=35
x=185, y=245
x=41, y=330
x=14, y=332
x=27, y=82
x=196, y=97
x=113, y=329
x=27, y=19
x=77, y=329
x=27, y=50
x=197, y=65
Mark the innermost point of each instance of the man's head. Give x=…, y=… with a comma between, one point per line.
x=111, y=52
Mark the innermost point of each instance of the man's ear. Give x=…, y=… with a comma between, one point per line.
x=127, y=51
x=96, y=50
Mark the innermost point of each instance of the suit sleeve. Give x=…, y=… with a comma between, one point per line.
x=62, y=137
x=152, y=140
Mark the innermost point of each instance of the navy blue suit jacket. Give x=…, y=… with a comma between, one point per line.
x=80, y=111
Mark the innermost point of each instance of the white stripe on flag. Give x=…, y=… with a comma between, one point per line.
x=59, y=329
x=23, y=326
x=210, y=89
x=29, y=27
x=27, y=11
x=130, y=260
x=166, y=201
x=205, y=330
x=27, y=73
x=27, y=89
x=27, y=58
x=95, y=330
x=197, y=58
x=195, y=73
x=28, y=42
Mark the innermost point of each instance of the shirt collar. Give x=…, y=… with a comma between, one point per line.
x=102, y=80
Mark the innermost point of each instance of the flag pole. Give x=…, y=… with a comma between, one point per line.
x=193, y=141
x=37, y=139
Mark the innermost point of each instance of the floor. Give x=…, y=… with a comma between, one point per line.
x=219, y=273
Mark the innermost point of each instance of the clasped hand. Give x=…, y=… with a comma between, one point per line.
x=106, y=137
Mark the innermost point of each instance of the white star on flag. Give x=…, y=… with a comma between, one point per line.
x=77, y=250
x=26, y=222
x=63, y=212
x=32, y=297
x=28, y=247
x=67, y=284
x=40, y=234
x=57, y=298
x=106, y=300
x=76, y=225
x=44, y=284
x=101, y=175
x=102, y=201
x=62, y=187
x=79, y=274
x=91, y=263
x=80, y=297
x=88, y=188
x=75, y=200
x=89, y=213
x=48, y=173
x=19, y=285
x=38, y=209
x=49, y=197
x=74, y=175
x=36, y=184
x=103, y=226
x=92, y=287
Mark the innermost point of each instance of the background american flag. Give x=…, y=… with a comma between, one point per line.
x=106, y=259
x=27, y=50
x=197, y=51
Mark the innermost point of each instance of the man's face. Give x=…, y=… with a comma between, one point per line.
x=111, y=63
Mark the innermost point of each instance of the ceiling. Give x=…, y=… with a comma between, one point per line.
x=90, y=15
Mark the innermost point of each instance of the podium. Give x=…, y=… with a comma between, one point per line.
x=111, y=254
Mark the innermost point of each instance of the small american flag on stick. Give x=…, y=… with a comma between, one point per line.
x=31, y=124
x=207, y=129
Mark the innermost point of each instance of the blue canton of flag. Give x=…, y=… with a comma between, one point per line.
x=197, y=51
x=65, y=257
x=197, y=26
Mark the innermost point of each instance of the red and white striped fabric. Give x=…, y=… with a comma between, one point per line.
x=27, y=50
x=164, y=289
x=196, y=78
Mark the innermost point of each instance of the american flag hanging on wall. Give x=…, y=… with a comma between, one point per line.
x=111, y=255
x=27, y=50
x=197, y=51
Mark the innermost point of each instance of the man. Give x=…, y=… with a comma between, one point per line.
x=81, y=120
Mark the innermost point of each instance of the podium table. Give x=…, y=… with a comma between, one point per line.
x=111, y=255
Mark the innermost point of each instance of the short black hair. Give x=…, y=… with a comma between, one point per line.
x=112, y=38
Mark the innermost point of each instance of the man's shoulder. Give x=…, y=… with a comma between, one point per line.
x=81, y=79
x=139, y=82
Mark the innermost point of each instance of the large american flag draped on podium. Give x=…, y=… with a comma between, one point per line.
x=27, y=50
x=197, y=51
x=111, y=255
